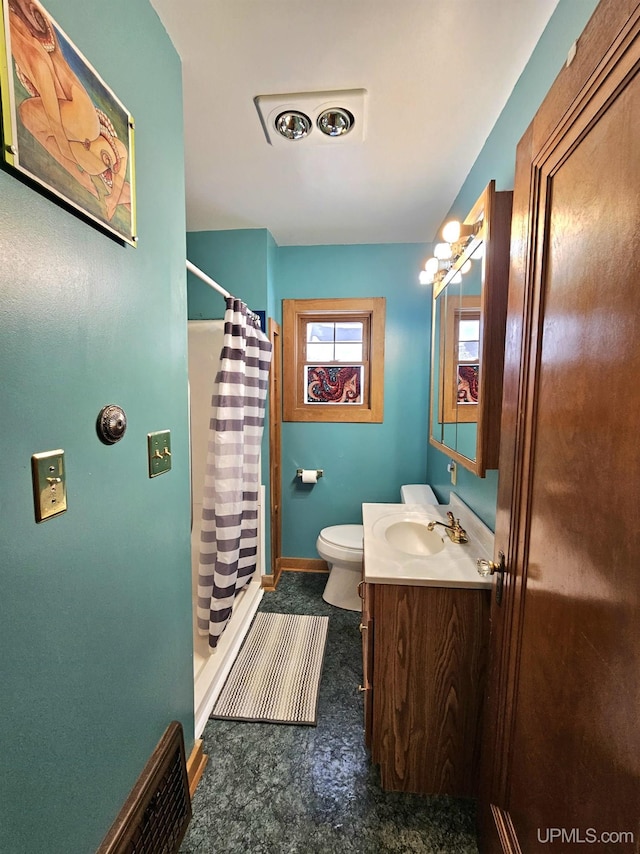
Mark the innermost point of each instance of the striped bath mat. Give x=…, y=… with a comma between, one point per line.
x=276, y=675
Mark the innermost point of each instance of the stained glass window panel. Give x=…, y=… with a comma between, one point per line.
x=468, y=384
x=333, y=384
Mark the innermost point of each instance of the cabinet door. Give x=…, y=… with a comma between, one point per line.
x=428, y=676
x=366, y=628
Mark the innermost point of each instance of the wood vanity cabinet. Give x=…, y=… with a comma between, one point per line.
x=366, y=625
x=424, y=655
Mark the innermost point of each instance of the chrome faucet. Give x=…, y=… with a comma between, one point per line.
x=456, y=532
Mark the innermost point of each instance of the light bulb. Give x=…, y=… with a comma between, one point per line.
x=451, y=231
x=293, y=124
x=425, y=278
x=432, y=266
x=335, y=122
x=465, y=267
x=456, y=279
x=442, y=251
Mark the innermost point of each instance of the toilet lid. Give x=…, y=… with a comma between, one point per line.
x=346, y=536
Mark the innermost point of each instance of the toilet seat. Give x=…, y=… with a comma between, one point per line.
x=342, y=543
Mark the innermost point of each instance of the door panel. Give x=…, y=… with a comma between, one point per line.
x=563, y=765
x=578, y=693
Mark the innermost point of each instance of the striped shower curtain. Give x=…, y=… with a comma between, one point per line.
x=229, y=534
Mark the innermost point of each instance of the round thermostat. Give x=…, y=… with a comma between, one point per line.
x=112, y=423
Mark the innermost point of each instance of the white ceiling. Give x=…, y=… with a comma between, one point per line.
x=437, y=75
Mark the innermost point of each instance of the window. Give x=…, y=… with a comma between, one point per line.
x=460, y=352
x=333, y=359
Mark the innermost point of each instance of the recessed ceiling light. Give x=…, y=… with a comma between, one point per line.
x=293, y=125
x=335, y=121
x=335, y=117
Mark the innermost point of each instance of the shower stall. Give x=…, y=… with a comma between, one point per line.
x=210, y=668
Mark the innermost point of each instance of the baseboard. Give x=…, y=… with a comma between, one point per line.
x=270, y=582
x=302, y=564
x=195, y=766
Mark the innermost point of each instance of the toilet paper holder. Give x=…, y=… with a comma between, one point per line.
x=319, y=472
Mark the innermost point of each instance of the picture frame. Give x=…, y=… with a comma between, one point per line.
x=62, y=126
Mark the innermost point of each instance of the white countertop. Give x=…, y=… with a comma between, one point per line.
x=453, y=566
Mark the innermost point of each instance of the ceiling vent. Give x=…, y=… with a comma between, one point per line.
x=313, y=118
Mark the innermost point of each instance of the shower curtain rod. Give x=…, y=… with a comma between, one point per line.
x=213, y=284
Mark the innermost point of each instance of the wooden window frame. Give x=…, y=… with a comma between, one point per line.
x=462, y=308
x=296, y=313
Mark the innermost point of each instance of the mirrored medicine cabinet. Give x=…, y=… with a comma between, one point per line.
x=468, y=332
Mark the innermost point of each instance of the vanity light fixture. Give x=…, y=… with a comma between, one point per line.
x=458, y=237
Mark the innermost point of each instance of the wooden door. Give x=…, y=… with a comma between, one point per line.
x=275, y=447
x=561, y=754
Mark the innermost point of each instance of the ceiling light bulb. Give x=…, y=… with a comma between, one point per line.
x=451, y=231
x=335, y=122
x=465, y=267
x=293, y=125
x=425, y=278
x=442, y=251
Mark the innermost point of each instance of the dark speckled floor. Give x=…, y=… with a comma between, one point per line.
x=273, y=788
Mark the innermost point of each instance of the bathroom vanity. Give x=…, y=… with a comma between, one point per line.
x=425, y=621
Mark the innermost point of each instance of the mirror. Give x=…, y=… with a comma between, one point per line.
x=467, y=343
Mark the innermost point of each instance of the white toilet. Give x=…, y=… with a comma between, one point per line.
x=341, y=546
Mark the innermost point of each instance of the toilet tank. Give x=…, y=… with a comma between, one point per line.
x=417, y=493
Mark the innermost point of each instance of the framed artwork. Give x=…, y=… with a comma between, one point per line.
x=62, y=126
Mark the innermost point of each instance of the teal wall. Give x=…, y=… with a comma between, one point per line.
x=95, y=626
x=238, y=260
x=497, y=161
x=242, y=261
x=361, y=462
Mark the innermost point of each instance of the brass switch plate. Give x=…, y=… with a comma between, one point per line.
x=49, y=484
x=159, y=445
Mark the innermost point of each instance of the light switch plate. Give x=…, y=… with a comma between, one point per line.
x=49, y=484
x=159, y=448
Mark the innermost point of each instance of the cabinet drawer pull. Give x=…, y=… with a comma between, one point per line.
x=362, y=627
x=362, y=687
x=360, y=589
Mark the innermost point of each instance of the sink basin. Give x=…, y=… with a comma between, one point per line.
x=413, y=538
x=399, y=548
